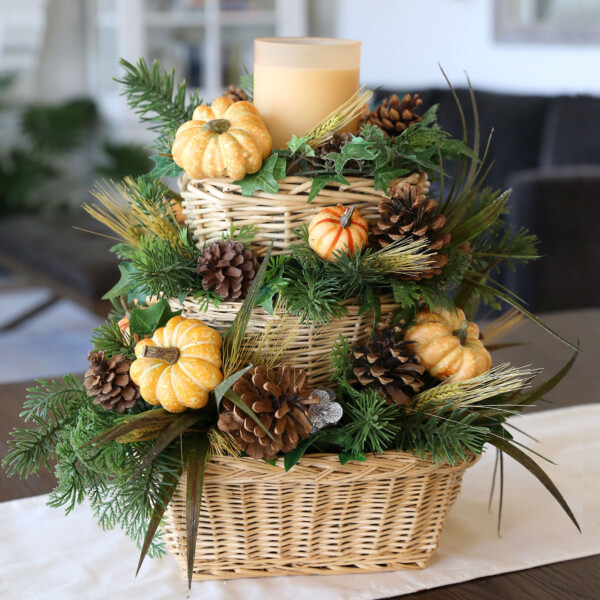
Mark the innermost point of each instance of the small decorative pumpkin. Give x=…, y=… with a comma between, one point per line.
x=179, y=366
x=337, y=228
x=449, y=345
x=227, y=139
x=177, y=209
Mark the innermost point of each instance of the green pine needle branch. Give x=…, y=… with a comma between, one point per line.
x=151, y=93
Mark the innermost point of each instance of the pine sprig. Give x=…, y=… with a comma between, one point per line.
x=341, y=363
x=371, y=424
x=109, y=339
x=161, y=268
x=153, y=96
x=445, y=436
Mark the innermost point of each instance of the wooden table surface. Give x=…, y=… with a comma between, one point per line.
x=570, y=580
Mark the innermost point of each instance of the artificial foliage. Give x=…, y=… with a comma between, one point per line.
x=230, y=387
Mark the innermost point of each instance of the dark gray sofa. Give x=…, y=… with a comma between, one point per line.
x=547, y=149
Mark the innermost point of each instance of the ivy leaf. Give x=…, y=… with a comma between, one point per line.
x=274, y=282
x=357, y=149
x=429, y=116
x=124, y=286
x=455, y=149
x=164, y=167
x=292, y=457
x=266, y=179
x=145, y=321
x=346, y=457
x=123, y=250
x=298, y=145
x=320, y=182
x=383, y=177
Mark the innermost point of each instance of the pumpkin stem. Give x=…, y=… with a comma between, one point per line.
x=218, y=125
x=346, y=218
x=170, y=355
x=461, y=333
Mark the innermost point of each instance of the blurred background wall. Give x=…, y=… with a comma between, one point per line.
x=404, y=41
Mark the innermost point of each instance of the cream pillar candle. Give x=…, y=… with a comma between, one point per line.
x=299, y=81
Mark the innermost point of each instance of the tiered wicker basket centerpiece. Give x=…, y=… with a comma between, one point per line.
x=290, y=381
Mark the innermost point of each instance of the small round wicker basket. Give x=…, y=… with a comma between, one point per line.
x=212, y=205
x=310, y=348
x=320, y=518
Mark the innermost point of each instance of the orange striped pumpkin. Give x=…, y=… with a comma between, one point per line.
x=335, y=229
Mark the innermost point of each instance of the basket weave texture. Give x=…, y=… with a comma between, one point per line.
x=212, y=205
x=310, y=348
x=319, y=518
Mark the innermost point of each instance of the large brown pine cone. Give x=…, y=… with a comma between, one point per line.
x=408, y=212
x=228, y=269
x=109, y=381
x=280, y=398
x=235, y=93
x=393, y=115
x=389, y=365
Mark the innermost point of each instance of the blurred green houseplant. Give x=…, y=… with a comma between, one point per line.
x=40, y=154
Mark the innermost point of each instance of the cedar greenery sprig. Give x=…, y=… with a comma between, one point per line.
x=51, y=406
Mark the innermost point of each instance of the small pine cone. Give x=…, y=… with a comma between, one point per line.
x=235, y=93
x=393, y=115
x=280, y=398
x=408, y=212
x=228, y=269
x=334, y=144
x=109, y=381
x=389, y=365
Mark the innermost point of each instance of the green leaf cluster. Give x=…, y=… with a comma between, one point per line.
x=266, y=178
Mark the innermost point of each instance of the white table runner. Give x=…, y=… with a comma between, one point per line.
x=44, y=555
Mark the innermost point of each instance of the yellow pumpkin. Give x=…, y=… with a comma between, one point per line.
x=179, y=366
x=227, y=139
x=337, y=228
x=449, y=345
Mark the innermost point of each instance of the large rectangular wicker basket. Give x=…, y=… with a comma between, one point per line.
x=319, y=518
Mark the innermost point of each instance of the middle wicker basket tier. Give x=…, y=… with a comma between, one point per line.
x=310, y=348
x=212, y=205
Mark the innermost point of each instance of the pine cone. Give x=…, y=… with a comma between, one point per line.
x=280, y=399
x=393, y=115
x=109, y=381
x=389, y=365
x=228, y=269
x=408, y=212
x=334, y=144
x=235, y=93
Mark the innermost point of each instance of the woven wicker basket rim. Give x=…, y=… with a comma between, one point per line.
x=290, y=179
x=378, y=466
x=236, y=304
